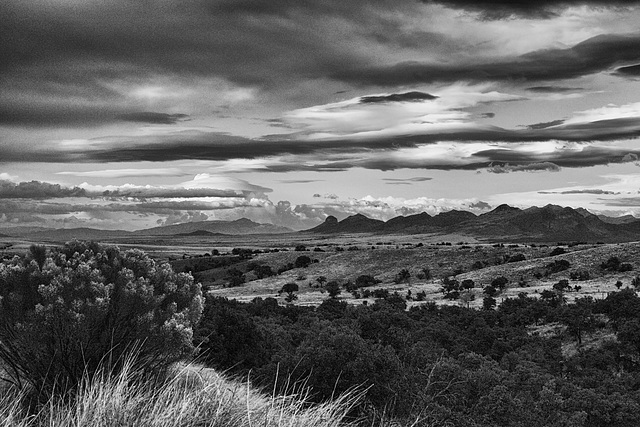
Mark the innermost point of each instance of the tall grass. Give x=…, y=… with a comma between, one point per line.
x=192, y=396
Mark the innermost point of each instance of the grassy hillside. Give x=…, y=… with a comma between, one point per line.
x=192, y=396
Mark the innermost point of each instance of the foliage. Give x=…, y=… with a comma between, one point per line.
x=500, y=282
x=558, y=251
x=302, y=261
x=366, y=280
x=557, y=266
x=62, y=316
x=403, y=276
x=333, y=288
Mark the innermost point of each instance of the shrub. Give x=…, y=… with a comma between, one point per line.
x=557, y=266
x=86, y=305
x=500, y=282
x=302, y=261
x=403, y=276
x=365, y=280
x=611, y=264
x=557, y=251
x=516, y=258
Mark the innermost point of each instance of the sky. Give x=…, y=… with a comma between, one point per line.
x=128, y=115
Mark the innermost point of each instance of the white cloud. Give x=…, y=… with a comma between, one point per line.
x=607, y=112
x=351, y=118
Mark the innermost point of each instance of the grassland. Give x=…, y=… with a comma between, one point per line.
x=382, y=257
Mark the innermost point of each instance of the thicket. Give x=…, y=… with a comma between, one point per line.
x=441, y=365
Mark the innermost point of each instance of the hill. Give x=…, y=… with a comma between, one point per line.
x=549, y=223
x=82, y=233
x=239, y=226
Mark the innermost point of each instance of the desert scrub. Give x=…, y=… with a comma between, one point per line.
x=66, y=312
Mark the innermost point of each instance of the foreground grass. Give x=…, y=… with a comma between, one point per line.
x=193, y=396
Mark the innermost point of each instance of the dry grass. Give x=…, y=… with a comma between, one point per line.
x=194, y=396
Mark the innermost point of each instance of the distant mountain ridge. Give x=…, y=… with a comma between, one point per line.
x=242, y=226
x=239, y=226
x=548, y=223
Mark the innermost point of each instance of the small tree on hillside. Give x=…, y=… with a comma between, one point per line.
x=333, y=288
x=290, y=289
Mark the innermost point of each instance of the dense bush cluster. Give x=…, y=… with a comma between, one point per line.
x=66, y=312
x=442, y=365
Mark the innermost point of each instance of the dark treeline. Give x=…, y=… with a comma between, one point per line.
x=442, y=365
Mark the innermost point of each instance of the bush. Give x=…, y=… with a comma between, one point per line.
x=302, y=261
x=86, y=304
x=365, y=280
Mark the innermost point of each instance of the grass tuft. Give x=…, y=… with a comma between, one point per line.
x=192, y=396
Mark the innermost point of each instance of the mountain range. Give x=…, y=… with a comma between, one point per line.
x=548, y=223
x=240, y=226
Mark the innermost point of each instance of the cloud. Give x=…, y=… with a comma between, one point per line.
x=591, y=56
x=406, y=181
x=545, y=124
x=488, y=115
x=154, y=118
x=586, y=191
x=631, y=70
x=397, y=97
x=481, y=205
x=531, y=167
x=543, y=9
x=37, y=190
x=553, y=89
x=127, y=173
x=299, y=181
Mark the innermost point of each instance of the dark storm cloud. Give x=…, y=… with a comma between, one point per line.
x=553, y=89
x=299, y=181
x=37, y=190
x=504, y=9
x=586, y=191
x=154, y=118
x=398, y=97
x=631, y=70
x=588, y=57
x=325, y=154
x=545, y=124
x=406, y=181
x=56, y=54
x=588, y=156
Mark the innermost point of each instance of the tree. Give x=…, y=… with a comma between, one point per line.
x=333, y=288
x=612, y=264
x=467, y=284
x=290, y=289
x=302, y=261
x=488, y=303
x=89, y=305
x=365, y=280
x=321, y=280
x=500, y=282
x=403, y=276
x=490, y=291
x=263, y=271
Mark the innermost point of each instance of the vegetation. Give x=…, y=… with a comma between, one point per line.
x=529, y=360
x=66, y=312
